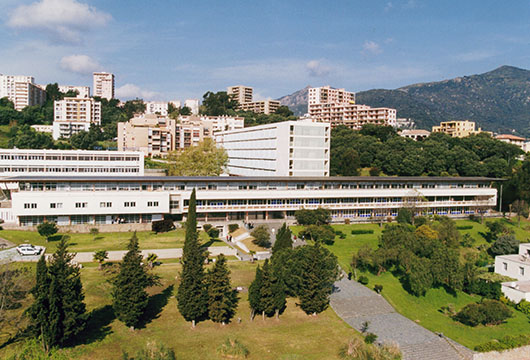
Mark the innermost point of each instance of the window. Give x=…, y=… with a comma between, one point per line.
x=173, y=204
x=521, y=271
x=56, y=205
x=129, y=204
x=104, y=204
x=81, y=205
x=505, y=266
x=30, y=206
x=152, y=203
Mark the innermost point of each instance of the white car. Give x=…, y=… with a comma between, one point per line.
x=28, y=249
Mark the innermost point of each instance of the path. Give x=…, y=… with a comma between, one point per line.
x=161, y=253
x=355, y=304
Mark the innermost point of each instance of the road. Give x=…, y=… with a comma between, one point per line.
x=12, y=254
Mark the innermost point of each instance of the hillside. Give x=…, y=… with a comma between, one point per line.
x=498, y=100
x=297, y=101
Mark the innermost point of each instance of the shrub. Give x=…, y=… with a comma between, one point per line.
x=162, y=226
x=152, y=351
x=524, y=307
x=261, y=236
x=464, y=227
x=370, y=338
x=232, y=227
x=487, y=289
x=361, y=231
x=505, y=244
x=213, y=233
x=207, y=227
x=342, y=236
x=448, y=310
x=488, y=312
x=474, y=218
x=404, y=216
x=505, y=343
x=467, y=240
x=347, y=221
x=374, y=171
x=233, y=349
x=378, y=288
x=363, y=280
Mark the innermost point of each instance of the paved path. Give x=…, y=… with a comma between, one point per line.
x=355, y=304
x=161, y=253
x=11, y=255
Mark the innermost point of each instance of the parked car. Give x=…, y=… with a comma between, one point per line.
x=28, y=249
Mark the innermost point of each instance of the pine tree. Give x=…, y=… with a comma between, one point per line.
x=192, y=296
x=254, y=293
x=272, y=292
x=222, y=299
x=129, y=298
x=283, y=239
x=39, y=311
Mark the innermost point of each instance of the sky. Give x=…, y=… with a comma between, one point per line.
x=174, y=50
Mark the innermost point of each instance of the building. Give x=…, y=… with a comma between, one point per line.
x=104, y=85
x=329, y=95
x=82, y=91
x=261, y=106
x=72, y=115
x=289, y=148
x=516, y=266
x=352, y=115
x=415, y=134
x=457, y=128
x=15, y=162
x=21, y=90
x=193, y=104
x=514, y=140
x=216, y=123
x=72, y=200
x=43, y=128
x=240, y=93
x=157, y=107
x=154, y=135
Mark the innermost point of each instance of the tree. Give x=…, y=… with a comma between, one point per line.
x=254, y=293
x=100, y=256
x=15, y=284
x=205, y=159
x=520, y=207
x=404, y=216
x=446, y=268
x=345, y=163
x=185, y=111
x=220, y=103
x=47, y=229
x=261, y=236
x=151, y=260
x=192, y=295
x=283, y=239
x=504, y=245
x=222, y=299
x=129, y=297
x=94, y=232
x=318, y=216
x=319, y=233
x=419, y=278
x=24, y=137
x=272, y=291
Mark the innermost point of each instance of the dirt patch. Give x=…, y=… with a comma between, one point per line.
x=4, y=244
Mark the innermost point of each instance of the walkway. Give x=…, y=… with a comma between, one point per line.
x=355, y=304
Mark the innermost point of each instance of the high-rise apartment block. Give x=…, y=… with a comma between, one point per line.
x=241, y=94
x=244, y=97
x=193, y=104
x=338, y=107
x=72, y=115
x=457, y=128
x=82, y=91
x=104, y=85
x=156, y=107
x=21, y=90
x=154, y=135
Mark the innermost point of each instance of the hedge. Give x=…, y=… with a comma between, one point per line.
x=361, y=231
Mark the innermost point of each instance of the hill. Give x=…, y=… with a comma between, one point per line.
x=498, y=100
x=297, y=101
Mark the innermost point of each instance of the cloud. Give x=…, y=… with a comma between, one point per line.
x=80, y=64
x=371, y=48
x=63, y=20
x=131, y=91
x=315, y=68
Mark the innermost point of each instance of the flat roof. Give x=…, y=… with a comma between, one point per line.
x=252, y=178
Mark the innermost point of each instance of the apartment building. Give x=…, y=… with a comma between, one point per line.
x=514, y=140
x=104, y=85
x=457, y=128
x=352, y=115
x=71, y=200
x=156, y=107
x=261, y=106
x=415, y=134
x=240, y=93
x=215, y=123
x=154, y=135
x=82, y=91
x=21, y=90
x=289, y=148
x=16, y=162
x=193, y=104
x=73, y=115
x=329, y=95
x=516, y=266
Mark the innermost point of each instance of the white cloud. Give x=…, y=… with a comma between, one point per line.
x=371, y=47
x=63, y=20
x=80, y=64
x=131, y=91
x=315, y=68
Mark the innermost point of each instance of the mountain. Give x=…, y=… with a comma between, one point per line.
x=498, y=100
x=297, y=101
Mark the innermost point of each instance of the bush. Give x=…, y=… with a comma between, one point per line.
x=467, y=240
x=207, y=227
x=378, y=288
x=474, y=218
x=505, y=343
x=489, y=312
x=162, y=226
x=152, y=351
x=233, y=349
x=261, y=236
x=361, y=231
x=524, y=307
x=319, y=233
x=347, y=221
x=374, y=171
x=232, y=227
x=213, y=233
x=505, y=244
x=370, y=338
x=341, y=236
x=487, y=289
x=464, y=227
x=363, y=280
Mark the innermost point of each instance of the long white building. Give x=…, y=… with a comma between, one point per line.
x=82, y=91
x=71, y=200
x=72, y=115
x=21, y=90
x=16, y=162
x=289, y=148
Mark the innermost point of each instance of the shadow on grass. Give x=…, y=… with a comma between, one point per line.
x=155, y=306
x=97, y=326
x=210, y=243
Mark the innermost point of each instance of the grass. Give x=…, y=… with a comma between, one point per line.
x=294, y=336
x=425, y=310
x=107, y=241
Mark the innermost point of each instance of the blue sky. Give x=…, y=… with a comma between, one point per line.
x=170, y=49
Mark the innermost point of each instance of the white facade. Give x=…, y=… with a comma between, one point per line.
x=415, y=134
x=516, y=266
x=193, y=104
x=329, y=95
x=72, y=115
x=289, y=148
x=156, y=107
x=43, y=128
x=240, y=93
x=82, y=91
x=216, y=123
x=15, y=162
x=21, y=90
x=104, y=85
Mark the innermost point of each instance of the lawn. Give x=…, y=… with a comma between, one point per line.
x=425, y=310
x=107, y=241
x=294, y=336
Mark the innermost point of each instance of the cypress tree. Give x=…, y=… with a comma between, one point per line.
x=129, y=298
x=283, y=239
x=272, y=292
x=39, y=311
x=222, y=299
x=192, y=296
x=254, y=293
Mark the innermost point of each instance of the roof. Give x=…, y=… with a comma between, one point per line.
x=415, y=132
x=250, y=178
x=509, y=137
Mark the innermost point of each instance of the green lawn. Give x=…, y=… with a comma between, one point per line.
x=107, y=241
x=294, y=336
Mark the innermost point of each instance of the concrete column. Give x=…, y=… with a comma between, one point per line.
x=266, y=215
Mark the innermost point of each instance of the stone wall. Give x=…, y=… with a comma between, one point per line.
x=522, y=353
